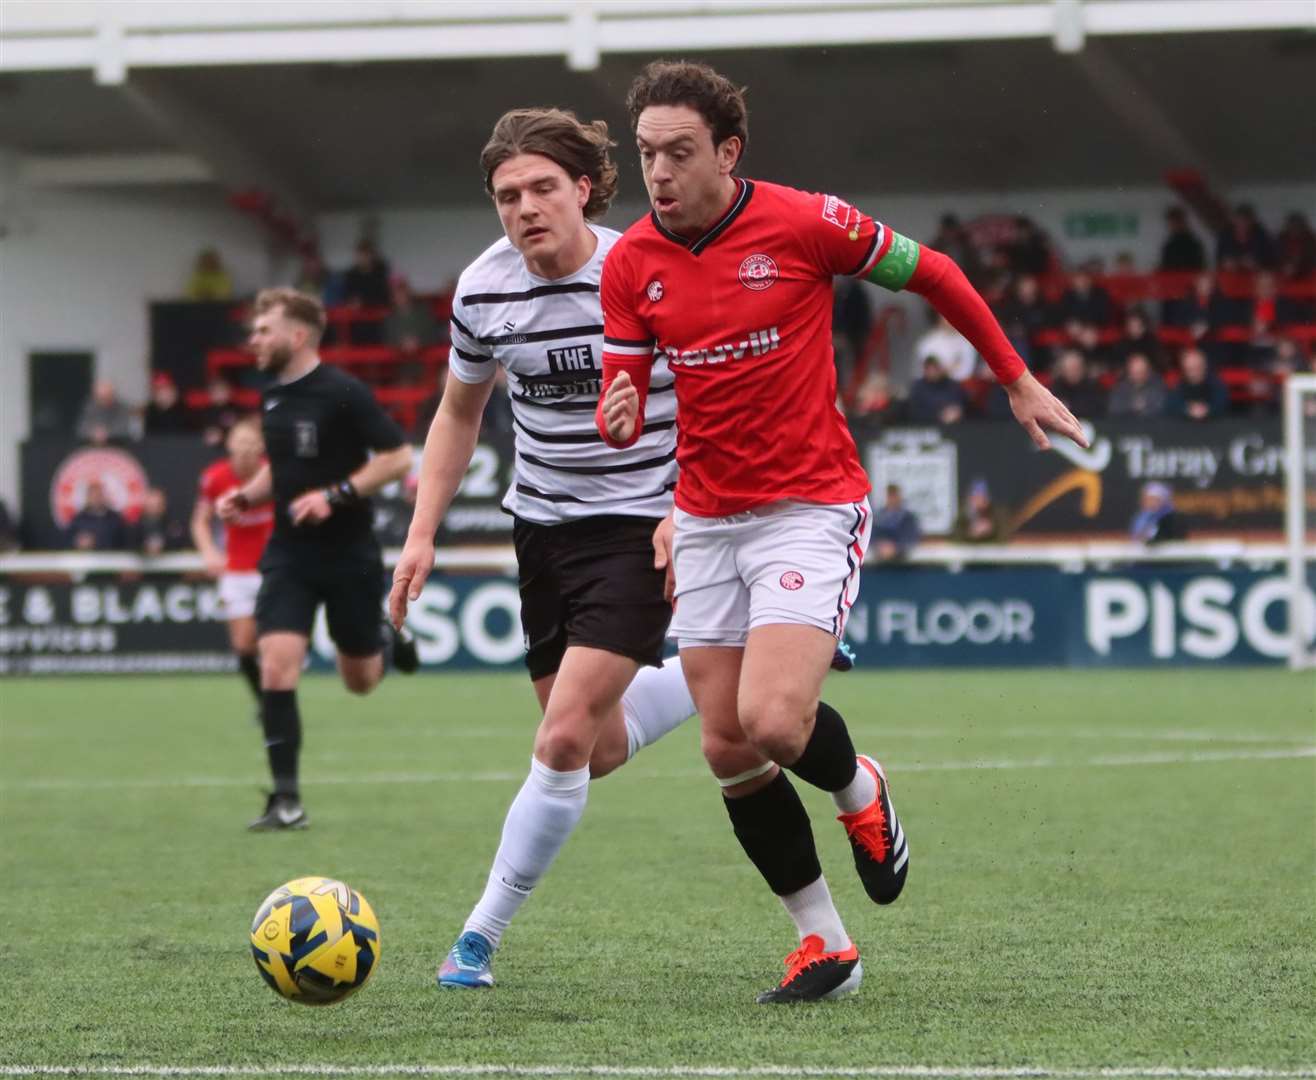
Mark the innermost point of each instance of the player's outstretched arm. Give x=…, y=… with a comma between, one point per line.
x=202, y=512
x=449, y=446
x=259, y=489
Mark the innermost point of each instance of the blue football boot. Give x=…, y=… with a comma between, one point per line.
x=468, y=964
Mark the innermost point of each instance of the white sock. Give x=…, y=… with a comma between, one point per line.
x=656, y=702
x=858, y=793
x=542, y=816
x=814, y=913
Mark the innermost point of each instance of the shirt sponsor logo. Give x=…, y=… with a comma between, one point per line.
x=838, y=212
x=572, y=358
x=655, y=291
x=758, y=272
x=756, y=343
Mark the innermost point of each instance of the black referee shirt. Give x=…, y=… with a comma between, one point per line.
x=319, y=429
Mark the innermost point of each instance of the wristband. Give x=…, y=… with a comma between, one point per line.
x=342, y=494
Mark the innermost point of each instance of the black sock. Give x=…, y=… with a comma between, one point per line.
x=283, y=737
x=828, y=761
x=249, y=665
x=773, y=828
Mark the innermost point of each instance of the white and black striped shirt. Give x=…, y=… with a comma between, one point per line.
x=548, y=335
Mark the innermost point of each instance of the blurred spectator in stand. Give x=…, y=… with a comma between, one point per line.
x=1156, y=521
x=980, y=520
x=156, y=531
x=1199, y=394
x=852, y=322
x=366, y=283
x=934, y=398
x=1295, y=247
x=1140, y=391
x=995, y=402
x=895, y=528
x=410, y=328
x=97, y=526
x=1030, y=251
x=1022, y=314
x=209, y=280
x=1265, y=307
x=1072, y=384
x=953, y=239
x=105, y=418
x=1204, y=310
x=876, y=406
x=1137, y=336
x=1182, y=250
x=164, y=413
x=1244, y=244
x=1086, y=309
x=8, y=528
x=316, y=278
x=220, y=414
x=1125, y=265
x=958, y=359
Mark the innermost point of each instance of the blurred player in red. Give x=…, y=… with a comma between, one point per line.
x=730, y=281
x=244, y=539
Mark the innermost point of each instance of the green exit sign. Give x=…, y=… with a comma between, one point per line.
x=1100, y=225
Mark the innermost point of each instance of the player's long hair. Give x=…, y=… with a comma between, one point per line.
x=581, y=149
x=680, y=82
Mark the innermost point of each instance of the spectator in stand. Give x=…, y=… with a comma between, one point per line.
x=1295, y=247
x=895, y=528
x=1199, y=395
x=156, y=531
x=852, y=322
x=1030, y=251
x=1072, y=384
x=1182, y=250
x=105, y=418
x=164, y=413
x=980, y=520
x=1265, y=311
x=934, y=398
x=1244, y=244
x=953, y=239
x=221, y=414
x=1138, y=337
x=97, y=526
x=1086, y=309
x=1140, y=391
x=8, y=528
x=316, y=278
x=1157, y=521
x=1022, y=314
x=958, y=359
x=410, y=328
x=209, y=280
x=876, y=405
x=1125, y=265
x=1204, y=310
x=366, y=283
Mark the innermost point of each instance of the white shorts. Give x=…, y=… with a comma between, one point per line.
x=788, y=562
x=237, y=593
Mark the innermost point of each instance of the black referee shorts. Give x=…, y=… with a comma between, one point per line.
x=351, y=591
x=590, y=582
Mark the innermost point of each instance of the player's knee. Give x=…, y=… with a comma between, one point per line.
x=565, y=740
x=776, y=725
x=278, y=672
x=727, y=756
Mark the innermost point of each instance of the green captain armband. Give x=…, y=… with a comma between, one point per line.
x=894, y=269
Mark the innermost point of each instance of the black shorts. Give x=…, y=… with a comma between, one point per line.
x=351, y=591
x=590, y=582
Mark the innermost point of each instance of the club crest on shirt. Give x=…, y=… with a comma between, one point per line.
x=758, y=272
x=792, y=580
x=307, y=440
x=655, y=291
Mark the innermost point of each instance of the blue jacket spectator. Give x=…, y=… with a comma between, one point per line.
x=895, y=528
x=1157, y=521
x=935, y=398
x=97, y=526
x=1199, y=395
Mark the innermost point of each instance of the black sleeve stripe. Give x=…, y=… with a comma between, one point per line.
x=461, y=326
x=627, y=344
x=470, y=357
x=529, y=294
x=877, y=235
x=601, y=470
x=541, y=335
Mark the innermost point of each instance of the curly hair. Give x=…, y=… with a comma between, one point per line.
x=680, y=82
x=581, y=149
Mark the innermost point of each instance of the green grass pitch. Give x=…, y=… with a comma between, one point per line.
x=1109, y=870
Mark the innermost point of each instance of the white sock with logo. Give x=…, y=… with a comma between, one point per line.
x=656, y=702
x=542, y=816
x=813, y=912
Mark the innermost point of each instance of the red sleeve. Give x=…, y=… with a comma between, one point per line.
x=210, y=481
x=942, y=283
x=627, y=342
x=838, y=238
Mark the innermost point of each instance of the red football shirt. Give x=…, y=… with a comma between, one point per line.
x=244, y=539
x=744, y=317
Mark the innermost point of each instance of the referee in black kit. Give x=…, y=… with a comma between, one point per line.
x=320, y=426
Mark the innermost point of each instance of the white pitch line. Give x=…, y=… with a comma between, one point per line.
x=969, y=765
x=878, y=1072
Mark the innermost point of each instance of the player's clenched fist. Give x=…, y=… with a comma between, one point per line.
x=621, y=406
x=409, y=576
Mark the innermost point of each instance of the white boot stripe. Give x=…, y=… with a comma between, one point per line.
x=904, y=858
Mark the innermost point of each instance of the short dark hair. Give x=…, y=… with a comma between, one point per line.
x=297, y=305
x=679, y=82
x=581, y=149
